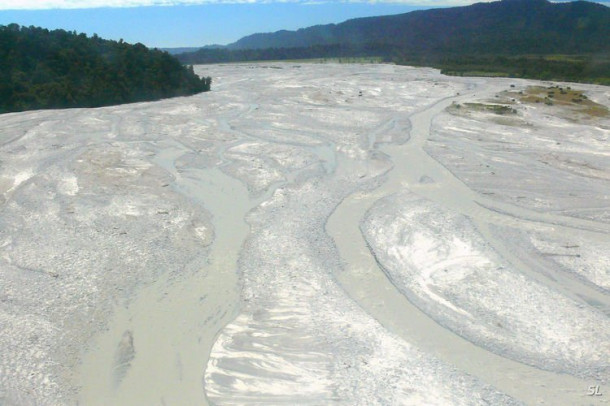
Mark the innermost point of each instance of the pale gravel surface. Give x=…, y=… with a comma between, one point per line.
x=177, y=252
x=443, y=264
x=561, y=161
x=85, y=221
x=576, y=253
x=299, y=339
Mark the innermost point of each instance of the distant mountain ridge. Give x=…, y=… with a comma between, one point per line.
x=507, y=26
x=518, y=38
x=182, y=50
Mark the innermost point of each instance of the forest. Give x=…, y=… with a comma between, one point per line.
x=222, y=55
x=534, y=39
x=569, y=68
x=586, y=68
x=43, y=69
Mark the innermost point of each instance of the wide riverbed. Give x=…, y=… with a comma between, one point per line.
x=309, y=234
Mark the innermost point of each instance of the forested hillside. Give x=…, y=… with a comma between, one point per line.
x=523, y=38
x=42, y=69
x=507, y=26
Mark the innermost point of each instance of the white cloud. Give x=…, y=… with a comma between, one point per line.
x=67, y=4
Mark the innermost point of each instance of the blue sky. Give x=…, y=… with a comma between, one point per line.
x=177, y=23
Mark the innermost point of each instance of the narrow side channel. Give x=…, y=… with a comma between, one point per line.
x=367, y=284
x=172, y=325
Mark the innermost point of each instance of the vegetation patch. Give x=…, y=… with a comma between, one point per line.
x=535, y=39
x=42, y=69
x=499, y=109
x=572, y=68
x=492, y=108
x=574, y=99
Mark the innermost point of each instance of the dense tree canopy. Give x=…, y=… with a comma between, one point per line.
x=57, y=69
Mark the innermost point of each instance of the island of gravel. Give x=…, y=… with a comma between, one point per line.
x=310, y=234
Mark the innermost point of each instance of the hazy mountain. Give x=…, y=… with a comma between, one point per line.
x=182, y=50
x=507, y=26
x=518, y=38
